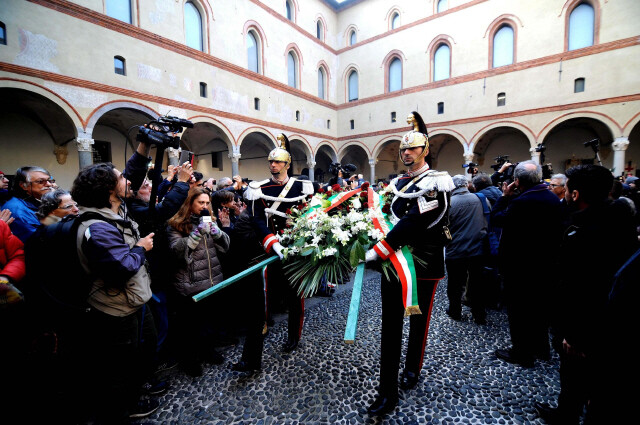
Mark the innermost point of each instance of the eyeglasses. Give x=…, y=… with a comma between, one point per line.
x=68, y=206
x=553, y=186
x=43, y=181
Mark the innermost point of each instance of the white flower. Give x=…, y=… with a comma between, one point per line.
x=329, y=251
x=375, y=234
x=341, y=235
x=356, y=203
x=360, y=226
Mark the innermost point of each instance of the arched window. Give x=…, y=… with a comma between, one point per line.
x=581, y=26
x=442, y=63
x=292, y=70
x=289, y=8
x=3, y=34
x=352, y=38
x=353, y=86
x=322, y=83
x=503, y=46
x=193, y=26
x=395, y=75
x=253, y=52
x=119, y=65
x=119, y=9
x=319, y=30
x=443, y=5
x=395, y=21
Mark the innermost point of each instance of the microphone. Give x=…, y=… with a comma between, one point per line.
x=205, y=216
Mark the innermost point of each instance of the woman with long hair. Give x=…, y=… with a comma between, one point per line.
x=195, y=239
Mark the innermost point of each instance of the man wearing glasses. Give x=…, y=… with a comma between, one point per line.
x=29, y=185
x=556, y=185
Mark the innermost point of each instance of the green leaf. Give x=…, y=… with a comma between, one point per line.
x=307, y=251
x=299, y=242
x=357, y=253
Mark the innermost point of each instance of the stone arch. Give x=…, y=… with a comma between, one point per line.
x=301, y=153
x=387, y=160
x=260, y=130
x=254, y=145
x=324, y=154
x=447, y=148
x=632, y=154
x=98, y=112
x=565, y=136
x=612, y=125
x=37, y=129
x=356, y=153
x=501, y=138
x=212, y=144
x=631, y=124
x=49, y=94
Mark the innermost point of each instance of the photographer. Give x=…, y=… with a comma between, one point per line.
x=151, y=219
x=123, y=334
x=531, y=219
x=504, y=172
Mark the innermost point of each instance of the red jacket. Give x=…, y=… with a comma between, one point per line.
x=11, y=254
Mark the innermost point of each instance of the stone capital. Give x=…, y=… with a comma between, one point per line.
x=534, y=152
x=620, y=144
x=235, y=156
x=84, y=144
x=468, y=157
x=311, y=163
x=174, y=153
x=373, y=162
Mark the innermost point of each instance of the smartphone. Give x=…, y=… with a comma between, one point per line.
x=186, y=156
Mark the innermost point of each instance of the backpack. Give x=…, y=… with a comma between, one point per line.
x=492, y=240
x=57, y=281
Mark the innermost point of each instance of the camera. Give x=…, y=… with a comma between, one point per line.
x=156, y=132
x=500, y=160
x=507, y=175
x=594, y=143
x=472, y=168
x=347, y=169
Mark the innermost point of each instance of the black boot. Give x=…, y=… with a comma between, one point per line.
x=290, y=346
x=382, y=405
x=243, y=366
x=409, y=380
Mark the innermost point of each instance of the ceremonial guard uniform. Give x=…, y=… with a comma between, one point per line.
x=420, y=212
x=269, y=201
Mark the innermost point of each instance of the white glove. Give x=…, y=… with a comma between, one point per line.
x=214, y=231
x=194, y=239
x=278, y=249
x=370, y=255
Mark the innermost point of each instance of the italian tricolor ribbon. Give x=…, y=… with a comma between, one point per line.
x=402, y=259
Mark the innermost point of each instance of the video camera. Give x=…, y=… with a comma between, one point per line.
x=507, y=175
x=472, y=168
x=347, y=169
x=595, y=145
x=156, y=132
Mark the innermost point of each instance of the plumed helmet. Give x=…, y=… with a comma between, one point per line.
x=281, y=153
x=417, y=137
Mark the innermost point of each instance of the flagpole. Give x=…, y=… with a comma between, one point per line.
x=201, y=295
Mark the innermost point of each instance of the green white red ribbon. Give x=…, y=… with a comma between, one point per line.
x=402, y=259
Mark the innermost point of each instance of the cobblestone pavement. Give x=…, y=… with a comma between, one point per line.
x=326, y=381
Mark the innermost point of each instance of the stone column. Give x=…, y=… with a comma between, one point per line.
x=235, y=159
x=535, y=156
x=468, y=159
x=174, y=156
x=311, y=164
x=85, y=153
x=372, y=165
x=619, y=145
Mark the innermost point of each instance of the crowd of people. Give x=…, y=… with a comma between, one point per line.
x=560, y=255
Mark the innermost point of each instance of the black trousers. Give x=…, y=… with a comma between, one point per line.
x=124, y=357
x=277, y=285
x=392, y=322
x=528, y=313
x=460, y=271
